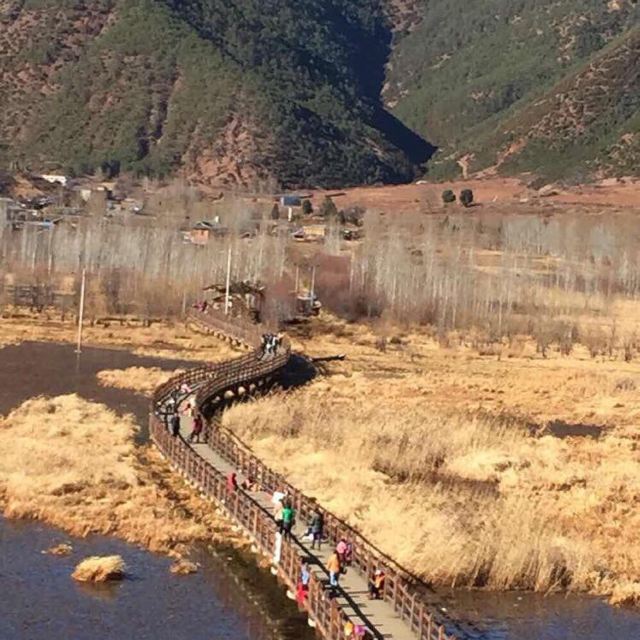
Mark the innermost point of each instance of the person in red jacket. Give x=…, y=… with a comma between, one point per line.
x=197, y=429
x=232, y=481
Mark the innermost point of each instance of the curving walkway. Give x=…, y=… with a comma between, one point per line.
x=403, y=613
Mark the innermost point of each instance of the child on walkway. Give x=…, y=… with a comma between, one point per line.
x=334, y=567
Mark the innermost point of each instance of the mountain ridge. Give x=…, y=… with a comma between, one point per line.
x=472, y=76
x=152, y=87
x=319, y=93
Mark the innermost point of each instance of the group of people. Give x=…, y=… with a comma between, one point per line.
x=270, y=344
x=173, y=420
x=175, y=425
x=339, y=560
x=284, y=514
x=355, y=631
x=201, y=306
x=351, y=630
x=248, y=484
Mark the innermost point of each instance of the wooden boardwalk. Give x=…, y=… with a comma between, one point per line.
x=377, y=615
x=407, y=609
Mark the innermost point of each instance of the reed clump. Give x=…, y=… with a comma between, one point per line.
x=100, y=569
x=143, y=380
x=74, y=464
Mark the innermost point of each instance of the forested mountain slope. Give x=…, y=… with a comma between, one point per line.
x=320, y=92
x=225, y=92
x=544, y=85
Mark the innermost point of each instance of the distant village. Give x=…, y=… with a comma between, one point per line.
x=44, y=201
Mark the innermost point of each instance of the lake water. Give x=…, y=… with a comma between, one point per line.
x=40, y=601
x=527, y=616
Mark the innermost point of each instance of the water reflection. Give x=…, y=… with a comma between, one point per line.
x=526, y=616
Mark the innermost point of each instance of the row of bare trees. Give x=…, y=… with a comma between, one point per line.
x=506, y=274
x=135, y=268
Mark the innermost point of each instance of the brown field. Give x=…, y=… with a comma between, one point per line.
x=488, y=190
x=502, y=471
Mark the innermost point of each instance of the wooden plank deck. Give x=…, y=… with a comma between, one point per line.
x=377, y=615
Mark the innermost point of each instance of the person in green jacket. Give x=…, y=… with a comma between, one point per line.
x=288, y=520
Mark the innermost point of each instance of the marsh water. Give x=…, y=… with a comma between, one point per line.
x=40, y=601
x=229, y=598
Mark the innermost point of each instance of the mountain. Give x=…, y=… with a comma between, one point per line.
x=549, y=86
x=225, y=92
x=324, y=93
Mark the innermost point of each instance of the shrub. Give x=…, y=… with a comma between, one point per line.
x=353, y=215
x=275, y=212
x=448, y=196
x=466, y=197
x=328, y=208
x=381, y=344
x=307, y=207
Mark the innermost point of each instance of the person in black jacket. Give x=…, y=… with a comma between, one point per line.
x=175, y=425
x=317, y=528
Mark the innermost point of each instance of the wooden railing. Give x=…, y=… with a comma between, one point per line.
x=324, y=610
x=236, y=328
x=401, y=590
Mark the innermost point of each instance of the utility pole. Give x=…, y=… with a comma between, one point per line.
x=297, y=280
x=313, y=286
x=227, y=300
x=81, y=314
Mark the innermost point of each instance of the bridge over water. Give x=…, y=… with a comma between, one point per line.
x=403, y=613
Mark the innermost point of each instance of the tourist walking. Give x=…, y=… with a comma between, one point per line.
x=232, y=481
x=302, y=588
x=278, y=515
x=198, y=424
x=288, y=520
x=341, y=550
x=334, y=567
x=316, y=527
x=171, y=405
x=348, y=553
x=175, y=425
x=376, y=585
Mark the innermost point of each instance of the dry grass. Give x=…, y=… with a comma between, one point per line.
x=140, y=379
x=162, y=340
x=626, y=594
x=62, y=549
x=449, y=461
x=73, y=464
x=100, y=569
x=183, y=567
